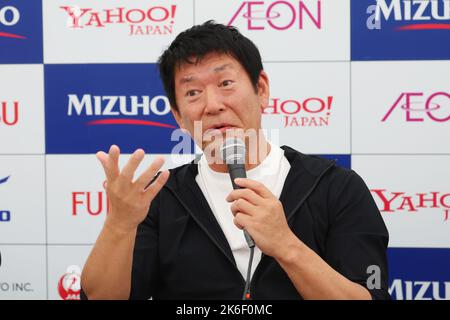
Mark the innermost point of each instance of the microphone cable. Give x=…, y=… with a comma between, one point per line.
x=246, y=295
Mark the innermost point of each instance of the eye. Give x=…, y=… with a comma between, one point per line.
x=226, y=83
x=192, y=93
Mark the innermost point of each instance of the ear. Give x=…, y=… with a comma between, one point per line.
x=263, y=89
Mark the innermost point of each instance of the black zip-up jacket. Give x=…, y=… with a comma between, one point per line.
x=181, y=252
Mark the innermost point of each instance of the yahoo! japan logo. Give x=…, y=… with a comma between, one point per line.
x=9, y=17
x=410, y=14
x=279, y=15
x=156, y=20
x=436, y=107
x=401, y=201
x=119, y=109
x=310, y=112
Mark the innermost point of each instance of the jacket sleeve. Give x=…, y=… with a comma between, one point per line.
x=357, y=236
x=145, y=271
x=145, y=255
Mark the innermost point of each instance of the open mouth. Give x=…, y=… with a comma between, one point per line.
x=224, y=128
x=220, y=127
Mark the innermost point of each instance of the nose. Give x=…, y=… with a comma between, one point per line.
x=213, y=103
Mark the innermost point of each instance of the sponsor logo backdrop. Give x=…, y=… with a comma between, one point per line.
x=364, y=82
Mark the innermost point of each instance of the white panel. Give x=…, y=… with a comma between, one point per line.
x=396, y=182
x=21, y=109
x=83, y=31
x=64, y=271
x=23, y=272
x=283, y=31
x=72, y=181
x=398, y=92
x=23, y=195
x=310, y=106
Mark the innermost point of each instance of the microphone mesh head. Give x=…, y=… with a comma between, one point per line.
x=233, y=151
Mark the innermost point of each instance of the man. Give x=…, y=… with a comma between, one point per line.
x=316, y=227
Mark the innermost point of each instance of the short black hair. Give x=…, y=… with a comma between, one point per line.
x=191, y=45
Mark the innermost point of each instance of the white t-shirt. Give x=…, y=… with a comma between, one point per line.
x=216, y=186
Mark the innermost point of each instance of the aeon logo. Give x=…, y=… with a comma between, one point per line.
x=279, y=15
x=9, y=17
x=418, y=107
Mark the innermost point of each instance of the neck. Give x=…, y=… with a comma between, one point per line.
x=251, y=160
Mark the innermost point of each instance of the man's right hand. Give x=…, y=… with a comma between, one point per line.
x=129, y=201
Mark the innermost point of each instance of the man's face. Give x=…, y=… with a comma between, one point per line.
x=218, y=92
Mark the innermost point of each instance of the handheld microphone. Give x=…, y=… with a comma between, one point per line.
x=233, y=154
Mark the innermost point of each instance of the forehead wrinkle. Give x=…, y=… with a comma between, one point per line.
x=223, y=67
x=190, y=78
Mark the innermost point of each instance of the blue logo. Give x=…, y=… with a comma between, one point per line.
x=419, y=274
x=21, y=31
x=400, y=29
x=342, y=160
x=90, y=107
x=4, y=180
x=5, y=215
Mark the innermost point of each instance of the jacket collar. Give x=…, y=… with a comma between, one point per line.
x=304, y=175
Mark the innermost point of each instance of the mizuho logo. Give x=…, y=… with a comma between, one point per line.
x=112, y=107
x=9, y=16
x=412, y=14
x=419, y=290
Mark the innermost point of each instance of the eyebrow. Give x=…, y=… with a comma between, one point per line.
x=221, y=68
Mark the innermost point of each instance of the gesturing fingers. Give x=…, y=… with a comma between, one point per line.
x=113, y=163
x=146, y=177
x=145, y=182
x=110, y=162
x=156, y=186
x=132, y=164
x=103, y=158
